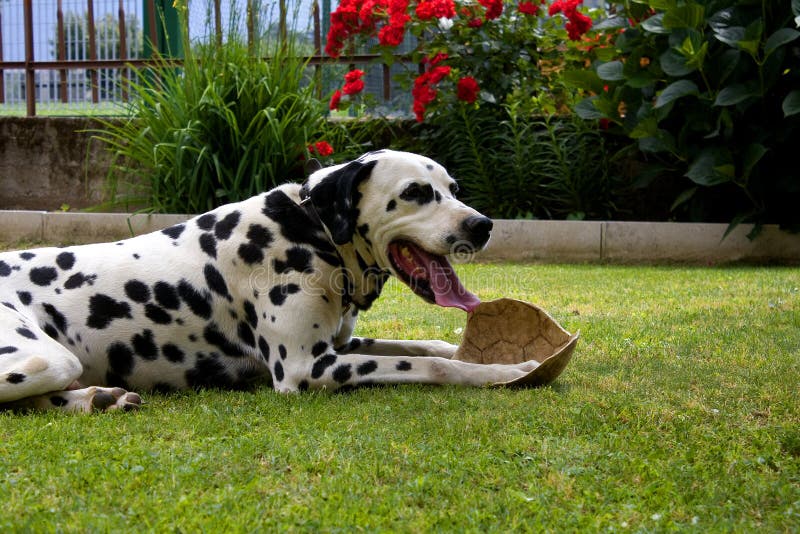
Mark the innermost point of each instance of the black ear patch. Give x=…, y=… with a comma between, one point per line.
x=336, y=198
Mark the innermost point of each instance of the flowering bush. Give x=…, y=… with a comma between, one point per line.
x=470, y=52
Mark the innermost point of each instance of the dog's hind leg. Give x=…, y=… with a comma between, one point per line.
x=36, y=372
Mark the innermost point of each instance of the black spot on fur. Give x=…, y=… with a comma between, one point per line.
x=278, y=371
x=263, y=346
x=318, y=369
x=137, y=291
x=5, y=270
x=144, y=345
x=403, y=366
x=213, y=336
x=224, y=228
x=420, y=193
x=58, y=318
x=303, y=385
x=297, y=258
x=259, y=235
x=174, y=231
x=24, y=332
x=172, y=353
x=27, y=255
x=207, y=221
x=58, y=401
x=367, y=367
x=157, y=314
x=215, y=281
x=208, y=372
x=391, y=205
x=166, y=295
x=208, y=244
x=278, y=294
x=319, y=348
x=438, y=196
x=9, y=306
x=78, y=279
x=296, y=224
x=246, y=334
x=8, y=350
x=15, y=378
x=24, y=297
x=197, y=302
x=51, y=331
x=282, y=351
x=342, y=373
x=120, y=359
x=65, y=260
x=250, y=313
x=43, y=276
x=250, y=253
x=104, y=309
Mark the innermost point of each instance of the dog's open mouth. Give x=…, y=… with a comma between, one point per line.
x=430, y=276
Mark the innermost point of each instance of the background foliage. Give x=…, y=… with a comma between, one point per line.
x=711, y=90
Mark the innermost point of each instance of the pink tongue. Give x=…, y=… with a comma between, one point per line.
x=447, y=288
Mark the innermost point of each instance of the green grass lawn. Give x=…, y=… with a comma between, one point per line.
x=679, y=411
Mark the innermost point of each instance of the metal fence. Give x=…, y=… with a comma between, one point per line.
x=74, y=56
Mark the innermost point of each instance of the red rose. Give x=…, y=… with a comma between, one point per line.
x=321, y=148
x=467, y=89
x=335, y=99
x=353, y=82
x=494, y=8
x=528, y=7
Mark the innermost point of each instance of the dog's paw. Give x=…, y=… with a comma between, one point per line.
x=110, y=399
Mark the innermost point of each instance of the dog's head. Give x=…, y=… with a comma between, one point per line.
x=403, y=207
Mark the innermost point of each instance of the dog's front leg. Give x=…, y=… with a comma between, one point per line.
x=398, y=347
x=333, y=371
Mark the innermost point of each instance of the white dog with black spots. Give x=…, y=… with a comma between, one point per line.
x=261, y=291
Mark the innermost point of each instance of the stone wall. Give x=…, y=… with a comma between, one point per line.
x=47, y=163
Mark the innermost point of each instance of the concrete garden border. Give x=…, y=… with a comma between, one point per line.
x=512, y=240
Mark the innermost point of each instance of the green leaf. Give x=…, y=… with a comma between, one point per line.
x=791, y=104
x=752, y=155
x=674, y=64
x=654, y=24
x=730, y=35
x=586, y=110
x=611, y=71
x=676, y=90
x=583, y=79
x=713, y=166
x=647, y=127
x=611, y=23
x=733, y=94
x=779, y=38
x=683, y=197
x=685, y=16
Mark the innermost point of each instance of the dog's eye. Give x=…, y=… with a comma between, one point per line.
x=453, y=189
x=421, y=194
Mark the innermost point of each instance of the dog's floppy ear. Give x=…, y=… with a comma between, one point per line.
x=336, y=197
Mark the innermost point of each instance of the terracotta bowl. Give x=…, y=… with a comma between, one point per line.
x=512, y=331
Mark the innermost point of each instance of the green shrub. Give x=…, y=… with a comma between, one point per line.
x=223, y=127
x=710, y=87
x=514, y=165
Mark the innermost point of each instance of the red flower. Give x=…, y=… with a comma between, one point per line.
x=429, y=9
x=528, y=7
x=494, y=8
x=467, y=89
x=353, y=82
x=321, y=148
x=577, y=22
x=335, y=99
x=392, y=34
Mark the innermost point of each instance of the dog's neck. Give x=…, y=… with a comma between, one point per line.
x=362, y=279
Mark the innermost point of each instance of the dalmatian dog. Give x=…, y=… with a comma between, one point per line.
x=266, y=290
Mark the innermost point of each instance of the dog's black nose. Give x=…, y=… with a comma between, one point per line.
x=477, y=228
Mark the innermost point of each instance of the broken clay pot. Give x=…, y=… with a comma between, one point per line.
x=512, y=331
